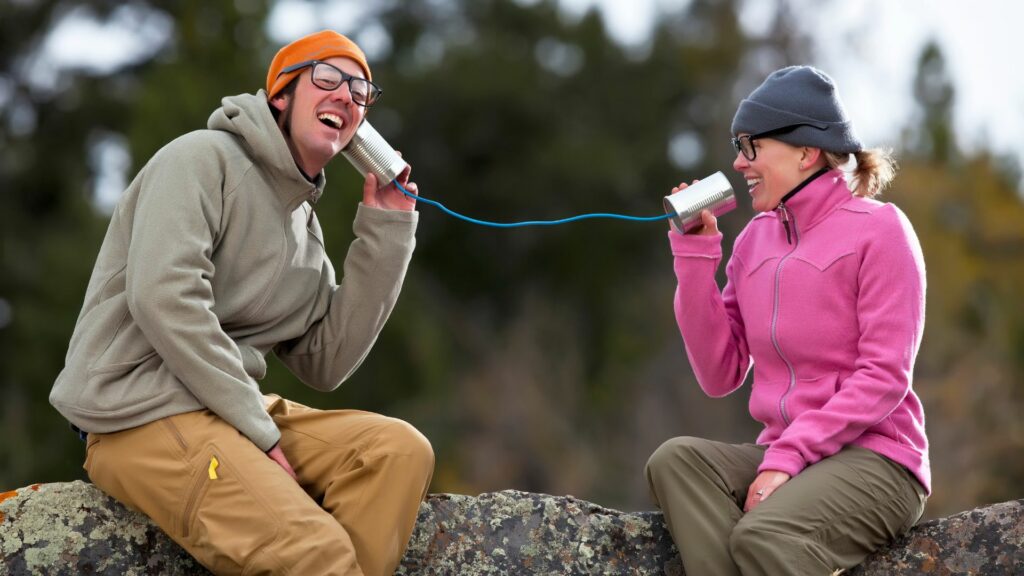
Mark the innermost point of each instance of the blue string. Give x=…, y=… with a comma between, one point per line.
x=530, y=222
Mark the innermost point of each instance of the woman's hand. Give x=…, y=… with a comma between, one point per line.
x=709, y=223
x=389, y=197
x=763, y=486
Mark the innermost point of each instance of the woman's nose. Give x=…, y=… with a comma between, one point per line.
x=740, y=163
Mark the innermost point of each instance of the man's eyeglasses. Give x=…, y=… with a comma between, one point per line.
x=327, y=77
x=745, y=144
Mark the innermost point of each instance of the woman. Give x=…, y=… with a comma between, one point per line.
x=825, y=296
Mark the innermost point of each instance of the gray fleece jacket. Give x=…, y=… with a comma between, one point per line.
x=213, y=258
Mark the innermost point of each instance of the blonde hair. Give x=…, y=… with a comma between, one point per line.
x=869, y=171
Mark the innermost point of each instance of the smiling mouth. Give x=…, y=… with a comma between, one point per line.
x=752, y=183
x=330, y=120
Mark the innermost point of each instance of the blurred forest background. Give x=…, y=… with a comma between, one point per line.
x=541, y=359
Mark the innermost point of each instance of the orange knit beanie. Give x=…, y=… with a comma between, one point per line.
x=319, y=46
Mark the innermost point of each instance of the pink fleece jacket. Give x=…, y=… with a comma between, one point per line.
x=831, y=319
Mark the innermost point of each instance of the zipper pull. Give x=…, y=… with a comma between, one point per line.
x=785, y=223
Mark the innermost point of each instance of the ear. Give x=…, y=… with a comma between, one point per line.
x=809, y=156
x=279, y=102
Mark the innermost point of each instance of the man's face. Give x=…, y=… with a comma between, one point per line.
x=318, y=123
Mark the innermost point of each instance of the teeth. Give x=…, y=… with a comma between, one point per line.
x=332, y=119
x=753, y=182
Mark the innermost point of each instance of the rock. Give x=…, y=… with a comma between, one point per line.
x=513, y=532
x=72, y=528
x=986, y=541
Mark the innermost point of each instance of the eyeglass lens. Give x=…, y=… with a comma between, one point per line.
x=745, y=146
x=328, y=77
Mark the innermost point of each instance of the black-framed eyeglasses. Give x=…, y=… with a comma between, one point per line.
x=745, y=144
x=327, y=77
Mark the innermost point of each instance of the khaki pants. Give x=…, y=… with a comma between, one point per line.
x=361, y=477
x=830, y=516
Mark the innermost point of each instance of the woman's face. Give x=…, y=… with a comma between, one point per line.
x=774, y=171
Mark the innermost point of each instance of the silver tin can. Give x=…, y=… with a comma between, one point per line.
x=369, y=152
x=713, y=193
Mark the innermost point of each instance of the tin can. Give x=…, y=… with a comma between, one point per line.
x=369, y=152
x=713, y=193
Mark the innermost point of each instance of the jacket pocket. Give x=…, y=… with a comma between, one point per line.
x=764, y=401
x=128, y=347
x=811, y=394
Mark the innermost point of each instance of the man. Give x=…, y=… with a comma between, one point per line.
x=214, y=258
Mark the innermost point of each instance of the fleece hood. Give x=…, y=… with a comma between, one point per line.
x=248, y=117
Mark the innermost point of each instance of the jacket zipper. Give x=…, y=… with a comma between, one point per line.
x=775, y=310
x=312, y=208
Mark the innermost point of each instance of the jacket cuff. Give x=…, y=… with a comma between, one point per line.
x=695, y=245
x=784, y=461
x=265, y=438
x=385, y=215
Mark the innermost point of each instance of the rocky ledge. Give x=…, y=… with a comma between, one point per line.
x=73, y=528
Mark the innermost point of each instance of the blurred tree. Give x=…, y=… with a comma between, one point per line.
x=968, y=216
x=54, y=123
x=547, y=358
x=933, y=137
x=45, y=223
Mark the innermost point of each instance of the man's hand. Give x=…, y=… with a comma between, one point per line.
x=763, y=486
x=277, y=455
x=389, y=197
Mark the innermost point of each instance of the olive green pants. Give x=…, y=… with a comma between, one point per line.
x=830, y=516
x=361, y=478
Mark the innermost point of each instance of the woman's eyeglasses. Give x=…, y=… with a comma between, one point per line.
x=745, y=144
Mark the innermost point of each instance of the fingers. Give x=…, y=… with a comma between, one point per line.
x=756, y=494
x=403, y=176
x=682, y=186
x=763, y=486
x=277, y=455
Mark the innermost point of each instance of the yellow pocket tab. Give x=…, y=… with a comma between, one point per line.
x=213, y=468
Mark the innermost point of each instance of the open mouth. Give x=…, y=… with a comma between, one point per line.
x=330, y=120
x=752, y=183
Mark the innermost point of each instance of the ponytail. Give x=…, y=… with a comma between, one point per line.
x=872, y=170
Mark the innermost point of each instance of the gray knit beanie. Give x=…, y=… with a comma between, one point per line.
x=799, y=96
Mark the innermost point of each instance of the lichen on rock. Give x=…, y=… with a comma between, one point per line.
x=73, y=528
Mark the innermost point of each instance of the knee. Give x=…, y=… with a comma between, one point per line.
x=672, y=454
x=751, y=535
x=399, y=438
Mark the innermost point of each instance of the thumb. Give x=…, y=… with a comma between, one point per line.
x=369, y=188
x=710, y=223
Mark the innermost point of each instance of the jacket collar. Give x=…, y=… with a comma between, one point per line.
x=816, y=199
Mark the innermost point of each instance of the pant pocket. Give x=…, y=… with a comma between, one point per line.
x=223, y=521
